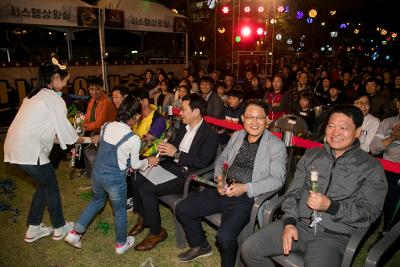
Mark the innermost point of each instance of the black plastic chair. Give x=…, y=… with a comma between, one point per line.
x=215, y=219
x=382, y=246
x=295, y=259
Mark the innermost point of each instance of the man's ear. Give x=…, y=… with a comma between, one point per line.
x=196, y=112
x=358, y=132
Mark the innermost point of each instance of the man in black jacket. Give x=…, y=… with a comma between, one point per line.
x=193, y=148
x=350, y=188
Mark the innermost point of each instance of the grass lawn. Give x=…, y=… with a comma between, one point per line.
x=98, y=244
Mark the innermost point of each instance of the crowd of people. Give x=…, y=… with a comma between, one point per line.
x=352, y=108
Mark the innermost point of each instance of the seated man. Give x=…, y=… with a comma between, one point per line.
x=193, y=148
x=256, y=164
x=352, y=189
x=215, y=106
x=387, y=142
x=100, y=108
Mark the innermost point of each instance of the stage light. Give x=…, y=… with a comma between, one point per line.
x=260, y=31
x=225, y=9
x=246, y=31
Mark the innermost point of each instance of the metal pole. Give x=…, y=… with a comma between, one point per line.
x=215, y=38
x=103, y=49
x=187, y=50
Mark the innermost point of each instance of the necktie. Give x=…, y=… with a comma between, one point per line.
x=93, y=112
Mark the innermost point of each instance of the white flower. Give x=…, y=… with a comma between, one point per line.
x=314, y=176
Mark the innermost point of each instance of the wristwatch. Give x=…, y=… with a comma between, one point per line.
x=176, y=155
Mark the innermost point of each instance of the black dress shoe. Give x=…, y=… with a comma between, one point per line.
x=194, y=253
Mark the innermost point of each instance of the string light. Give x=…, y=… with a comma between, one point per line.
x=299, y=14
x=312, y=13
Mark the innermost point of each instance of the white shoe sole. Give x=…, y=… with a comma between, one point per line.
x=33, y=239
x=79, y=246
x=66, y=231
x=204, y=255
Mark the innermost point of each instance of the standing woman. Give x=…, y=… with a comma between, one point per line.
x=277, y=99
x=41, y=121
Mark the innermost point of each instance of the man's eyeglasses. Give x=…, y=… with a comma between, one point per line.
x=257, y=118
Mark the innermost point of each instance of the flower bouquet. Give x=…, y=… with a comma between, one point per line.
x=78, y=126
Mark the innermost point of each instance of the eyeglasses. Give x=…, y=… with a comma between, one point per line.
x=257, y=118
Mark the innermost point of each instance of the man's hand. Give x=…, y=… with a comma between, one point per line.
x=166, y=149
x=289, y=234
x=395, y=133
x=221, y=186
x=318, y=201
x=236, y=190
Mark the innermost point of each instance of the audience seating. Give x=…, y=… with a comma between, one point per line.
x=295, y=259
x=382, y=246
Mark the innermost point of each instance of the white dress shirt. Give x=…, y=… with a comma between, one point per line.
x=115, y=131
x=31, y=134
x=187, y=140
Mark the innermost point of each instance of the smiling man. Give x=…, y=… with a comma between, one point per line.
x=352, y=188
x=256, y=161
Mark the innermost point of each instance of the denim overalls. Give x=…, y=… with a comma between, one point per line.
x=107, y=179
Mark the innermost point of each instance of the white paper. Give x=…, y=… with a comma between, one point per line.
x=158, y=175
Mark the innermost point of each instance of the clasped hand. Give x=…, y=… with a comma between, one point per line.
x=233, y=190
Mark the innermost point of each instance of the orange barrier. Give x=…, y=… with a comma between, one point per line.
x=297, y=141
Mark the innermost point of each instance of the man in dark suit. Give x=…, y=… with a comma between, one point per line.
x=193, y=148
x=215, y=106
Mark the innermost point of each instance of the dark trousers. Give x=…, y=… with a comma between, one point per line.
x=145, y=198
x=235, y=216
x=47, y=194
x=322, y=249
x=392, y=198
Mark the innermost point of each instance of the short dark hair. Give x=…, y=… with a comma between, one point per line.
x=142, y=94
x=207, y=79
x=220, y=84
x=358, y=96
x=122, y=90
x=236, y=93
x=128, y=109
x=95, y=81
x=196, y=101
x=307, y=95
x=256, y=102
x=350, y=111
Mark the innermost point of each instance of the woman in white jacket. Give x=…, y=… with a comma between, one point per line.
x=41, y=121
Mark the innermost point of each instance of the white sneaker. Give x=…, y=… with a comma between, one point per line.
x=74, y=239
x=120, y=249
x=60, y=233
x=37, y=231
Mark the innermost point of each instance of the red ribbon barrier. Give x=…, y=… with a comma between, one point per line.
x=297, y=141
